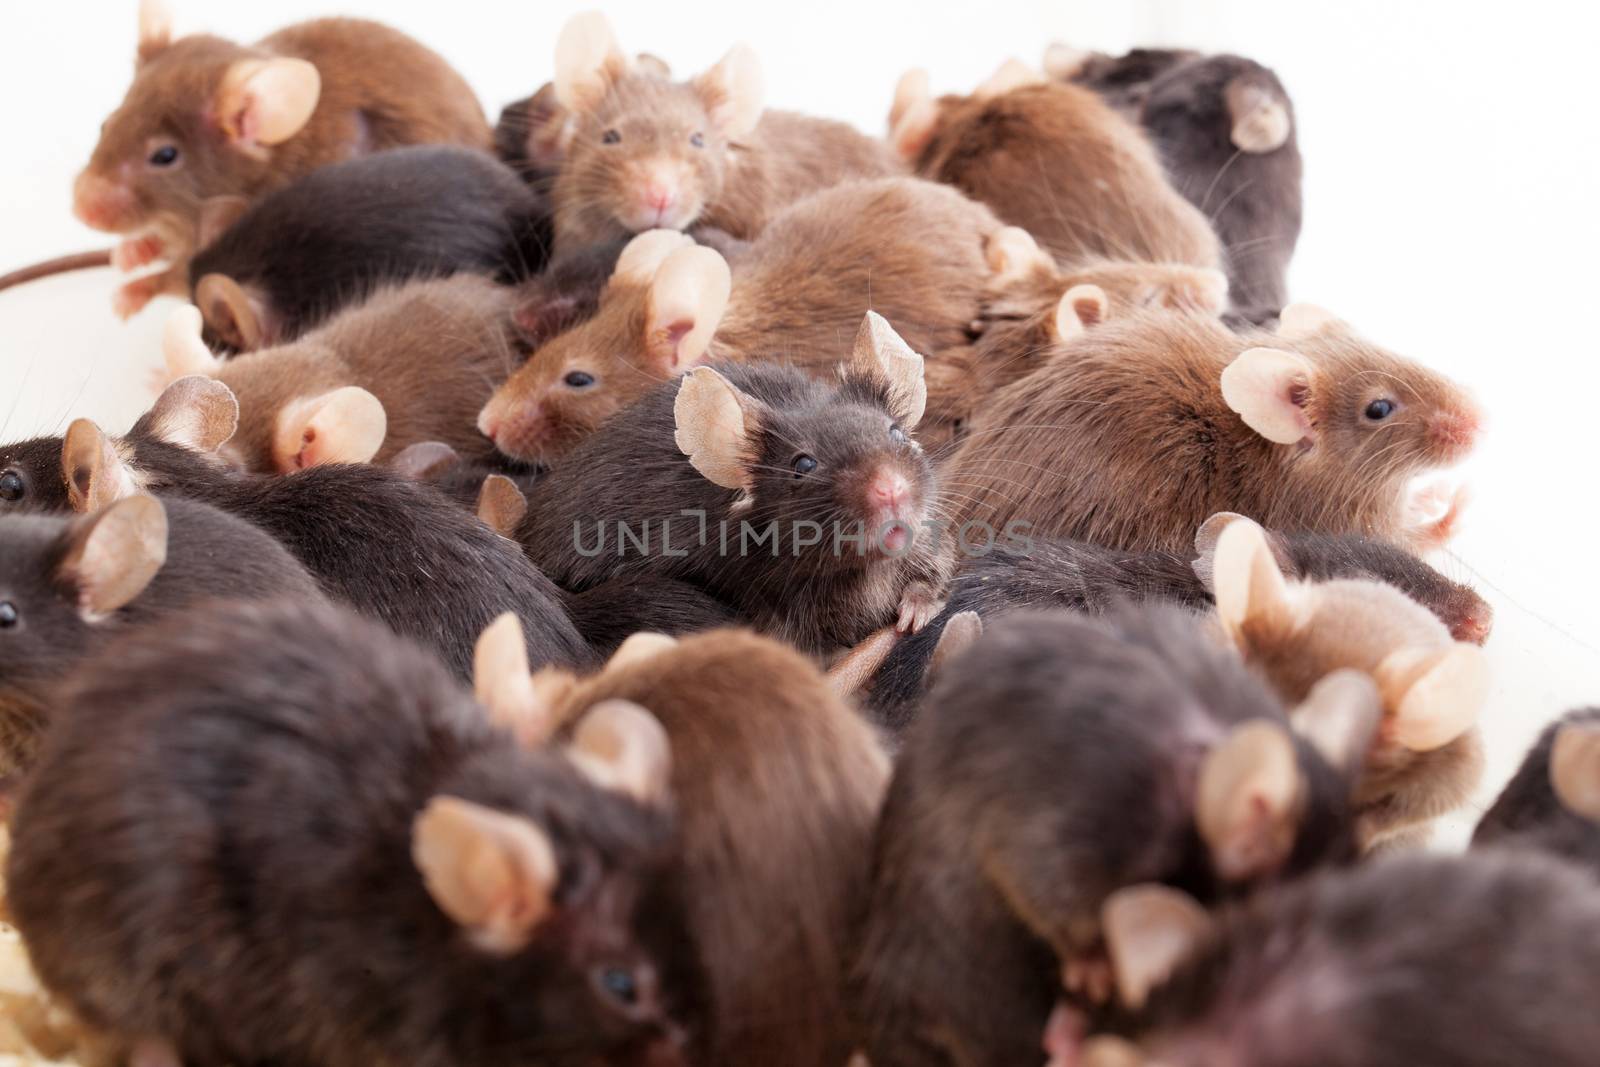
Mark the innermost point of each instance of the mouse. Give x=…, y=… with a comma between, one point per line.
x=71, y=584
x=643, y=152
x=1055, y=160
x=776, y=785
x=461, y=480
x=754, y=482
x=609, y=613
x=374, y=539
x=1272, y=982
x=414, y=362
x=922, y=255
x=281, y=265
x=1225, y=128
x=406, y=880
x=1306, y=427
x=1061, y=758
x=1552, y=802
x=205, y=117
x=1426, y=758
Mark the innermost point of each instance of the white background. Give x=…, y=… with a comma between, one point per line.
x=1452, y=169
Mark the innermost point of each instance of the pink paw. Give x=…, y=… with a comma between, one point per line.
x=1436, y=515
x=1088, y=976
x=136, y=252
x=918, y=605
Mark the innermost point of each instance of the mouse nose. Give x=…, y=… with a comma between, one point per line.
x=99, y=202
x=1455, y=431
x=889, y=490
x=517, y=430
x=659, y=196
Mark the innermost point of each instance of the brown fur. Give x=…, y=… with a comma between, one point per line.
x=1060, y=163
x=1122, y=439
x=431, y=352
x=776, y=785
x=735, y=186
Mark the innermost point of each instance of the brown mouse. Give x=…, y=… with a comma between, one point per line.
x=1055, y=160
x=643, y=152
x=291, y=785
x=1139, y=430
x=1427, y=755
x=775, y=784
x=804, y=505
x=412, y=363
x=921, y=255
x=206, y=118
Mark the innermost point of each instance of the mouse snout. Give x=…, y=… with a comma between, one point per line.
x=659, y=192
x=888, y=490
x=101, y=203
x=517, y=430
x=1454, y=431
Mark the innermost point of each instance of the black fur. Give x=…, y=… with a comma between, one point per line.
x=1528, y=812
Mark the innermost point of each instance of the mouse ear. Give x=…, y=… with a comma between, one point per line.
x=1205, y=546
x=716, y=428
x=1339, y=717
x=182, y=347
x=910, y=90
x=851, y=671
x=233, y=313
x=1575, y=768
x=961, y=632
x=1269, y=388
x=684, y=307
x=881, y=352
x=1013, y=254
x=345, y=425
x=915, y=128
x=93, y=469
x=638, y=648
x=1149, y=930
x=501, y=504
x=502, y=683
x=1303, y=320
x=113, y=554
x=620, y=746
x=1260, y=120
x=1063, y=61
x=645, y=254
x=1432, y=695
x=492, y=873
x=1245, y=580
x=195, y=412
x=1012, y=74
x=588, y=61
x=423, y=460
x=1248, y=804
x=264, y=102
x=1080, y=308
x=217, y=214
x=155, y=28
x=733, y=93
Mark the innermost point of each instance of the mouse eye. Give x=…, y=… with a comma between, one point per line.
x=9, y=615
x=165, y=156
x=11, y=486
x=619, y=985
x=577, y=379
x=804, y=465
x=1380, y=409
x=611, y=137
x=697, y=139
x=897, y=435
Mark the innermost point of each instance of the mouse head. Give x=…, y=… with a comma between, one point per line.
x=824, y=460
x=1432, y=687
x=1575, y=767
x=1349, y=409
x=238, y=317
x=202, y=118
x=643, y=152
x=64, y=584
x=916, y=118
x=655, y=321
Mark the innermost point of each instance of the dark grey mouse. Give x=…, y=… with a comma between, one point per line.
x=1552, y=803
x=1059, y=759
x=298, y=839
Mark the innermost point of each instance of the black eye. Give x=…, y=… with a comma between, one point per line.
x=897, y=435
x=804, y=465
x=8, y=615
x=1380, y=409
x=578, y=379
x=11, y=486
x=611, y=137
x=619, y=985
x=697, y=139
x=165, y=156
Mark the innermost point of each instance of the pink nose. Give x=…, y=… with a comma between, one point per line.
x=659, y=196
x=1455, y=430
x=890, y=490
x=518, y=433
x=100, y=203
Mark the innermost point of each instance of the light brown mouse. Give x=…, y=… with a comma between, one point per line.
x=1138, y=431
x=642, y=152
x=1056, y=160
x=206, y=118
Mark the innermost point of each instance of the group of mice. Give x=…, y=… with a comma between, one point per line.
x=665, y=581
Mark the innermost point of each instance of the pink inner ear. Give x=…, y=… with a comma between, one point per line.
x=675, y=333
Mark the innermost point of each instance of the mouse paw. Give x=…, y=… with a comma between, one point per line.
x=136, y=252
x=1063, y=1035
x=1088, y=975
x=129, y=300
x=918, y=605
x=1432, y=529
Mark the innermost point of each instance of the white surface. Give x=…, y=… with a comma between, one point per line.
x=1451, y=172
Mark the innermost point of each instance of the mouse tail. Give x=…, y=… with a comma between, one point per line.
x=59, y=265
